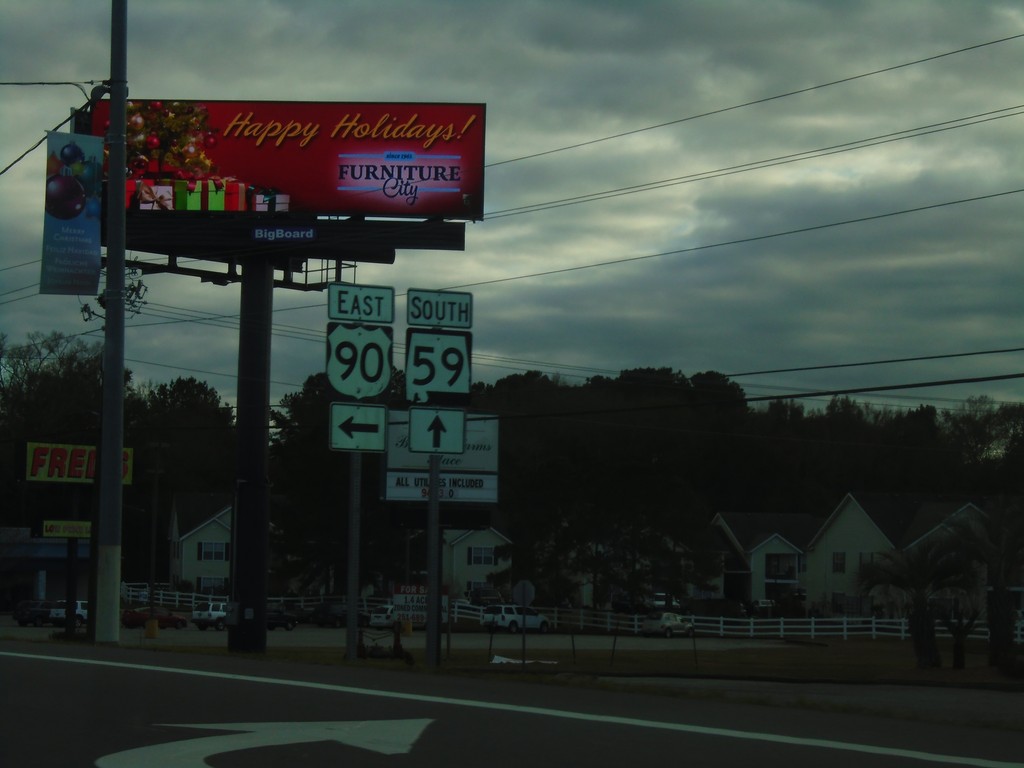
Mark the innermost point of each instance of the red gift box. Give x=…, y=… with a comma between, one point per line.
x=234, y=196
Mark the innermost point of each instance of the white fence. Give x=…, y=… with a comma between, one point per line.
x=605, y=622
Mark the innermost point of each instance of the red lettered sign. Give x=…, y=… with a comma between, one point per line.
x=61, y=463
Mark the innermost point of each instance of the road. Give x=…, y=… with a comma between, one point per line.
x=114, y=707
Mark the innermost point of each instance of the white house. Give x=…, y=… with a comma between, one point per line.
x=201, y=541
x=469, y=559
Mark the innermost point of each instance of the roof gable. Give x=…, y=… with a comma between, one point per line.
x=903, y=519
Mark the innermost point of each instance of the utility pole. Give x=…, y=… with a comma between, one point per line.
x=107, y=605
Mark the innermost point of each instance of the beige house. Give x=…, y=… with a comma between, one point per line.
x=201, y=541
x=469, y=560
x=858, y=529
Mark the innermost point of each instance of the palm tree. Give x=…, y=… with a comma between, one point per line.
x=994, y=538
x=918, y=574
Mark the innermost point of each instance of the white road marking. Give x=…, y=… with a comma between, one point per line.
x=728, y=733
x=389, y=737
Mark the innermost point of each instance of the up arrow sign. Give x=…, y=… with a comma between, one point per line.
x=388, y=737
x=437, y=430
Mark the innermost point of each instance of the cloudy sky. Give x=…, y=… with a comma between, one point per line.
x=778, y=190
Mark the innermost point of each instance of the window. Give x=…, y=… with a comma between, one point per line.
x=838, y=562
x=480, y=556
x=212, y=550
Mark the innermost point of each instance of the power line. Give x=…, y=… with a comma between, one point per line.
x=757, y=165
x=740, y=241
x=756, y=101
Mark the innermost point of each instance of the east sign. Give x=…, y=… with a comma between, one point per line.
x=363, y=159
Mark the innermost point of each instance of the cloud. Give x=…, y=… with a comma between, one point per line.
x=671, y=292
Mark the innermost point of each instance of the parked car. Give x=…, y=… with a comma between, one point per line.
x=58, y=612
x=383, y=616
x=513, y=618
x=335, y=615
x=210, y=614
x=277, y=616
x=666, y=623
x=32, y=612
x=165, y=618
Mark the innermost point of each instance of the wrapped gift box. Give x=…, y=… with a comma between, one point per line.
x=203, y=195
x=149, y=194
x=270, y=202
x=234, y=196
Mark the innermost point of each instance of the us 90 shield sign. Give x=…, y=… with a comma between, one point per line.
x=359, y=359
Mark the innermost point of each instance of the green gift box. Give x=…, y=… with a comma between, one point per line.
x=192, y=195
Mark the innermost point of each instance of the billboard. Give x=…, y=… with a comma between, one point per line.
x=348, y=159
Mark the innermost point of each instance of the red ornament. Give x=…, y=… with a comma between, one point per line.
x=210, y=141
x=157, y=105
x=140, y=162
x=65, y=198
x=153, y=141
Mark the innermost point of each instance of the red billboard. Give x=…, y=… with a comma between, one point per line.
x=349, y=159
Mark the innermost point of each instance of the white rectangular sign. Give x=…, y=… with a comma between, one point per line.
x=439, y=309
x=408, y=485
x=358, y=427
x=360, y=303
x=437, y=430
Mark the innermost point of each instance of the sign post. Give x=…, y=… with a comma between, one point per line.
x=437, y=371
x=358, y=367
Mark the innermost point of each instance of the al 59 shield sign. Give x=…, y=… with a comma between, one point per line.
x=374, y=159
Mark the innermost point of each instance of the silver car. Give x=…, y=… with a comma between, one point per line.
x=667, y=624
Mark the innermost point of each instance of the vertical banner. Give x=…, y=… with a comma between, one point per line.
x=71, y=224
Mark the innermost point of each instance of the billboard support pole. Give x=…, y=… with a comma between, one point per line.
x=250, y=522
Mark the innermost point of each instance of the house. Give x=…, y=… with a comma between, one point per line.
x=857, y=529
x=763, y=554
x=469, y=559
x=201, y=541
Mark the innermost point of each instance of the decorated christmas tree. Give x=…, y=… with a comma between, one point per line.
x=169, y=139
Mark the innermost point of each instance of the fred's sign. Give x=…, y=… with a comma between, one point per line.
x=61, y=463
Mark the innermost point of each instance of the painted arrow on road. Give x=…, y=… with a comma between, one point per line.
x=350, y=427
x=388, y=737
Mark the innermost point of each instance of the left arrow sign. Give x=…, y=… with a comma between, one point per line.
x=388, y=737
x=358, y=427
